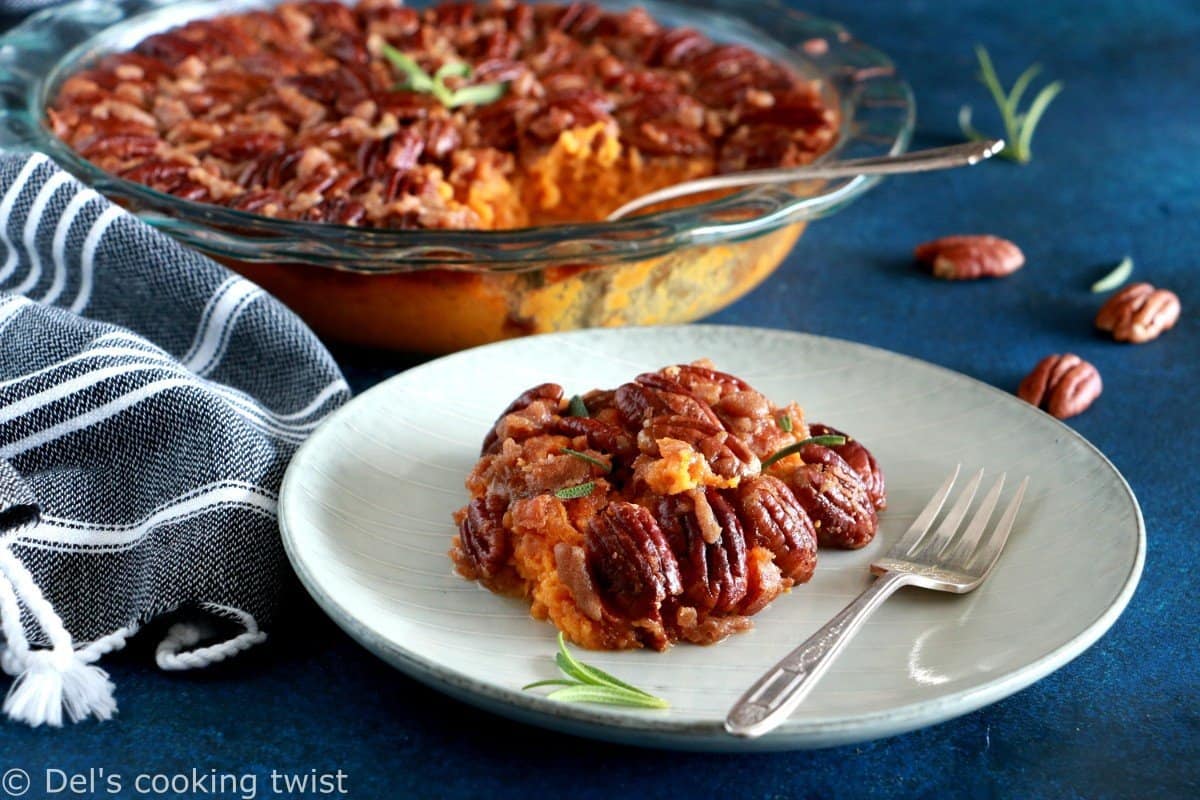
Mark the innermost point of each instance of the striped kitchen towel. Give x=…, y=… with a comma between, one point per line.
x=149, y=403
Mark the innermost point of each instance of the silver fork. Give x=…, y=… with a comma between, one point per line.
x=946, y=559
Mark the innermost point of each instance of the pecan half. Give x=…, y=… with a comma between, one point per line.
x=545, y=391
x=714, y=573
x=835, y=497
x=654, y=394
x=774, y=519
x=601, y=435
x=571, y=563
x=632, y=567
x=970, y=257
x=1064, y=385
x=860, y=459
x=707, y=382
x=1139, y=313
x=485, y=540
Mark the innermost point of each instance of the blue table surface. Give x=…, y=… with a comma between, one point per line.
x=1115, y=173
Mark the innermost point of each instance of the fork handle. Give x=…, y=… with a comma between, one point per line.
x=776, y=694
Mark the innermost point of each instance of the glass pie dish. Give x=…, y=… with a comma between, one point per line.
x=443, y=290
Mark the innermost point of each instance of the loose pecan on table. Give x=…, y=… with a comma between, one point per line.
x=1139, y=313
x=970, y=257
x=1064, y=385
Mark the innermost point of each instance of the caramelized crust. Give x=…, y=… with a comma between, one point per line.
x=681, y=536
x=295, y=113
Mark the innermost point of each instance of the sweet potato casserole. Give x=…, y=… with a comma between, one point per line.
x=672, y=508
x=323, y=112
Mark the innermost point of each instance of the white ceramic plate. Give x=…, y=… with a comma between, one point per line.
x=366, y=507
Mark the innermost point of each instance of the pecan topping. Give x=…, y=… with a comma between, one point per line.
x=571, y=563
x=1064, y=385
x=602, y=436
x=546, y=391
x=835, y=497
x=484, y=539
x=1138, y=313
x=715, y=574
x=245, y=90
x=631, y=565
x=970, y=257
x=655, y=394
x=860, y=459
x=675, y=533
x=727, y=455
x=776, y=520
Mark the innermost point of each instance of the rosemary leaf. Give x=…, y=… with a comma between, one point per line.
x=479, y=95
x=599, y=462
x=1118, y=276
x=415, y=78
x=785, y=423
x=452, y=69
x=551, y=682
x=828, y=441
x=1020, y=85
x=593, y=685
x=586, y=673
x=575, y=492
x=1031, y=118
x=608, y=695
x=578, y=408
x=1019, y=126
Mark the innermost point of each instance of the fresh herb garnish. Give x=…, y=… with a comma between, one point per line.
x=418, y=80
x=577, y=407
x=1115, y=278
x=1018, y=125
x=575, y=492
x=828, y=441
x=599, y=462
x=785, y=423
x=588, y=684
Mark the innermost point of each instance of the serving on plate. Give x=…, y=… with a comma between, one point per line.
x=797, y=87
x=672, y=508
x=366, y=512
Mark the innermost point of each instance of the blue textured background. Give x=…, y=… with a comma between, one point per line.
x=1115, y=173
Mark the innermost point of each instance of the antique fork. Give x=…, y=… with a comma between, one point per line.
x=948, y=560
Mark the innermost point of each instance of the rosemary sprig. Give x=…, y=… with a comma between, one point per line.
x=785, y=423
x=1018, y=125
x=575, y=492
x=418, y=80
x=1118, y=276
x=577, y=407
x=588, y=684
x=599, y=462
x=828, y=441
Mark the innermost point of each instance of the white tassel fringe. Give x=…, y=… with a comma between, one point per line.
x=52, y=680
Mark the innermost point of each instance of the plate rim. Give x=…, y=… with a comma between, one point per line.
x=663, y=732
